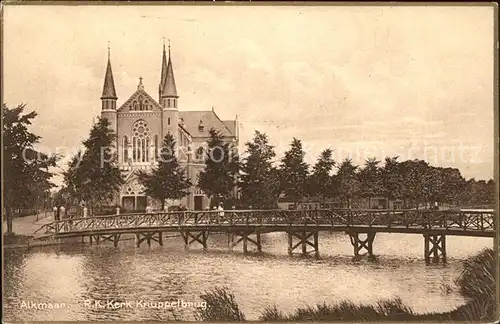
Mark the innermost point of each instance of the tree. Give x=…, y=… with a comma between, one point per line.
x=392, y=179
x=422, y=183
x=63, y=197
x=347, y=182
x=218, y=179
x=454, y=184
x=320, y=182
x=168, y=179
x=479, y=193
x=294, y=172
x=259, y=183
x=26, y=173
x=93, y=175
x=370, y=178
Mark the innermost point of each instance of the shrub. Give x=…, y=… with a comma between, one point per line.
x=221, y=306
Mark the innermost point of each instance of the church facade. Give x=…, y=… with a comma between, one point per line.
x=141, y=124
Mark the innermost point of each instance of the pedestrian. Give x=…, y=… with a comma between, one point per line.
x=55, y=213
x=221, y=213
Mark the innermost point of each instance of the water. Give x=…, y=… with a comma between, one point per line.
x=75, y=275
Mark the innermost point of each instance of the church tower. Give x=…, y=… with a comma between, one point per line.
x=108, y=98
x=168, y=96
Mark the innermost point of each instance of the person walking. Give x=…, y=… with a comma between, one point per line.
x=221, y=213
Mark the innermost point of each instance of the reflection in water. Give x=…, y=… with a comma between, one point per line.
x=86, y=278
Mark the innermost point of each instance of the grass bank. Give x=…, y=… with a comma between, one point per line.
x=476, y=282
x=16, y=239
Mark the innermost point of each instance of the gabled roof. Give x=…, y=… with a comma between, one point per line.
x=135, y=96
x=191, y=121
x=108, y=90
x=231, y=125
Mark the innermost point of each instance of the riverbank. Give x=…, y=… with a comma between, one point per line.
x=476, y=282
x=23, y=230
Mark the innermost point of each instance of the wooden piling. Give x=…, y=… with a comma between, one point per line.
x=435, y=246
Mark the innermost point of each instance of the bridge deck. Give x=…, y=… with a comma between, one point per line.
x=461, y=223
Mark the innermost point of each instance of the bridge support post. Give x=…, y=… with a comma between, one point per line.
x=230, y=239
x=160, y=238
x=435, y=247
x=200, y=237
x=148, y=237
x=304, y=240
x=245, y=243
x=359, y=244
x=94, y=238
x=245, y=237
x=116, y=238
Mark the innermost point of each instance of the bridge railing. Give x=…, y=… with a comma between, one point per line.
x=464, y=220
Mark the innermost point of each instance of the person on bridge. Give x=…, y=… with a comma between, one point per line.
x=221, y=212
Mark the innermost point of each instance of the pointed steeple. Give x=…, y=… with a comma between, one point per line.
x=163, y=76
x=169, y=88
x=108, y=90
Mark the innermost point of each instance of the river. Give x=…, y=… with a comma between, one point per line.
x=75, y=281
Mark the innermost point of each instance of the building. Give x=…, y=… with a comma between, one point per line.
x=141, y=123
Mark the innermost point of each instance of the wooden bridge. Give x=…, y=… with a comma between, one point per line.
x=302, y=227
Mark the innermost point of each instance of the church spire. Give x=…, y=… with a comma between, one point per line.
x=108, y=90
x=169, y=88
x=163, y=76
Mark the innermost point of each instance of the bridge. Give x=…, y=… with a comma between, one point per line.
x=302, y=227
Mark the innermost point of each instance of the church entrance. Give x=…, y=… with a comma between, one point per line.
x=141, y=203
x=128, y=203
x=198, y=202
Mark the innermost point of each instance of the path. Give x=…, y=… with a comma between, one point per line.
x=27, y=225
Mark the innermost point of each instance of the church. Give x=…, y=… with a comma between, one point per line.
x=141, y=123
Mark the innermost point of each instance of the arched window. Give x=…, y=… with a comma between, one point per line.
x=141, y=105
x=140, y=140
x=135, y=105
x=156, y=147
x=125, y=149
x=134, y=149
x=200, y=154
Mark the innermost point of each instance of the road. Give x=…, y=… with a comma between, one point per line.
x=28, y=225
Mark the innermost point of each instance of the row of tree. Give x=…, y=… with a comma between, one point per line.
x=26, y=180
x=93, y=175
x=414, y=182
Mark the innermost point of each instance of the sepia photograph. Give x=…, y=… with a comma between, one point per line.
x=250, y=162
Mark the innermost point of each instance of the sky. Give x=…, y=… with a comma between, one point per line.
x=365, y=81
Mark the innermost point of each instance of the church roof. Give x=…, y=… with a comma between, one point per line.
x=148, y=100
x=108, y=90
x=231, y=125
x=169, y=88
x=191, y=121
